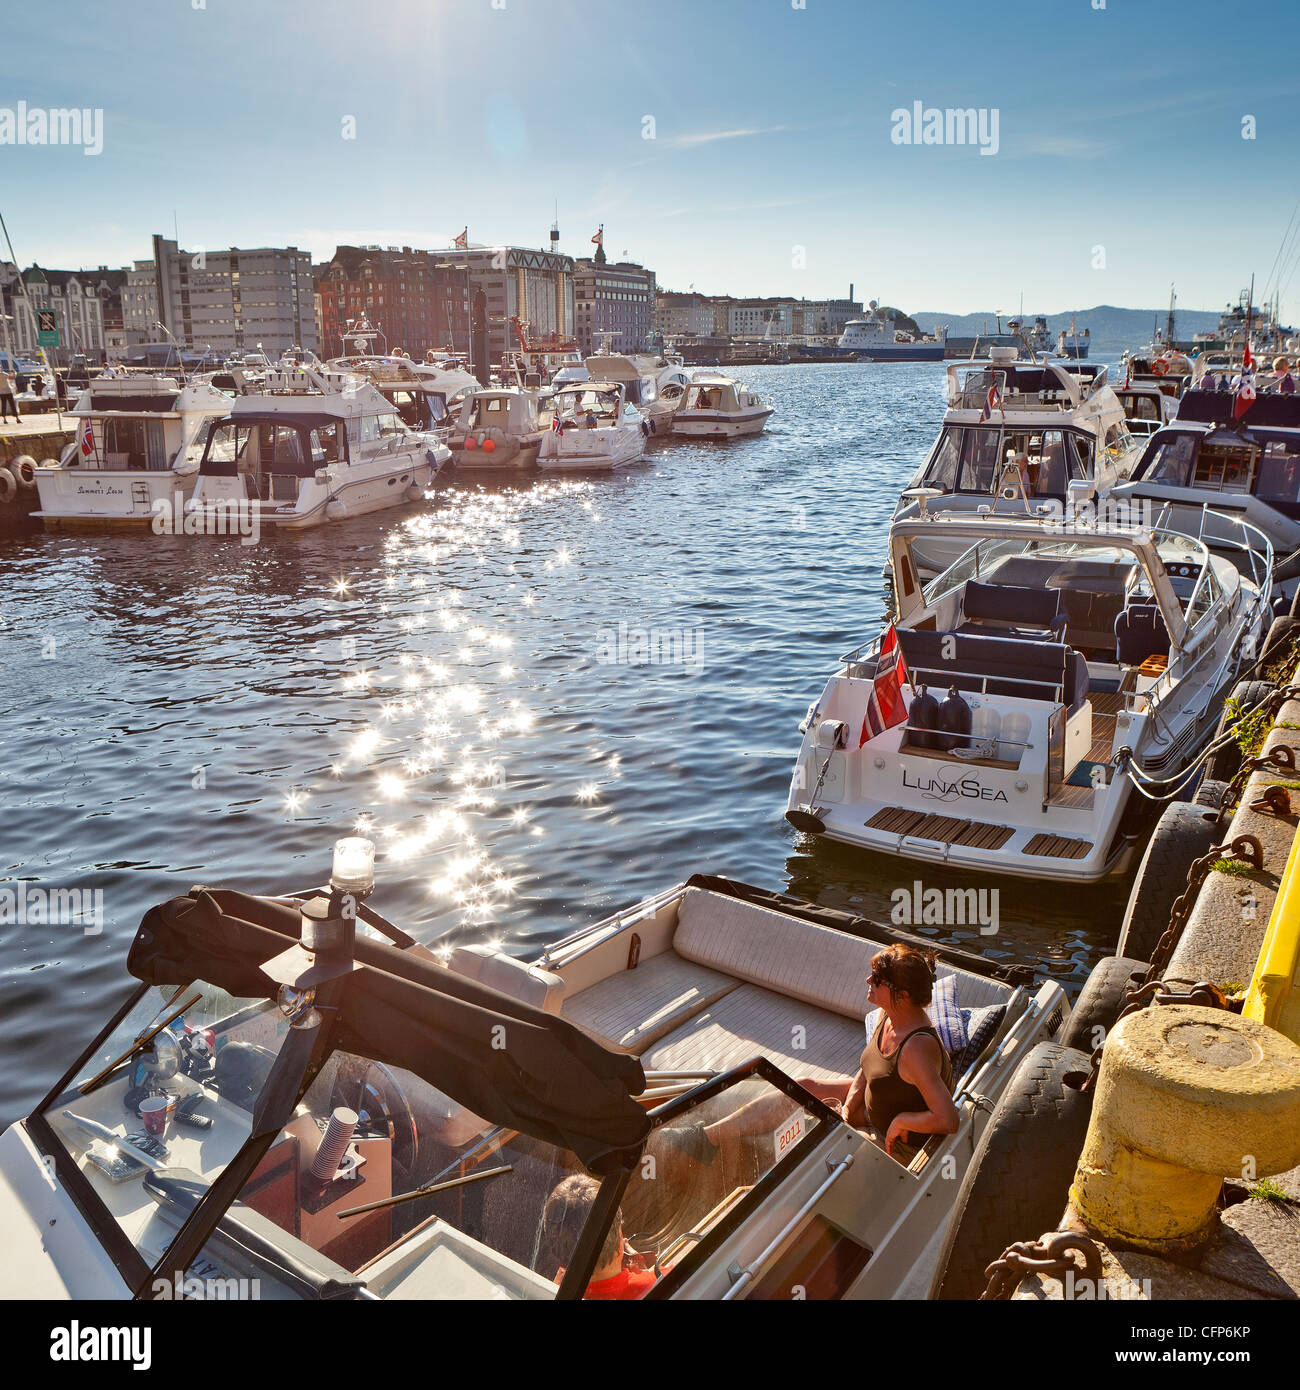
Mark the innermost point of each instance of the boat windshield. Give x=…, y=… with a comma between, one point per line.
x=578, y=402
x=1258, y=465
x=380, y=1181
x=1063, y=562
x=975, y=459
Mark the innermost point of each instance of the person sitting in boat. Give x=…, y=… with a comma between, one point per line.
x=902, y=1091
x=590, y=419
x=1282, y=372
x=619, y=1274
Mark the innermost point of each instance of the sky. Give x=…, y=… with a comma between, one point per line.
x=747, y=147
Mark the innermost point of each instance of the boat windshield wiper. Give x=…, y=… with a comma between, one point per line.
x=427, y=1190
x=139, y=1045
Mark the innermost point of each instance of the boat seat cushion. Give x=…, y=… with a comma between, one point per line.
x=812, y=963
x=635, y=1008
x=816, y=964
x=1140, y=632
x=1031, y=670
x=1012, y=605
x=755, y=1022
x=528, y=983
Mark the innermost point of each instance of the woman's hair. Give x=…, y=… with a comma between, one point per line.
x=905, y=969
x=563, y=1218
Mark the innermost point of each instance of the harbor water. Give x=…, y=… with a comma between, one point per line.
x=543, y=698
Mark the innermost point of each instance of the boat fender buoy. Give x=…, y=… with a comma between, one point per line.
x=24, y=470
x=954, y=721
x=653, y=429
x=471, y=442
x=335, y=510
x=645, y=428
x=923, y=716
x=414, y=492
x=489, y=445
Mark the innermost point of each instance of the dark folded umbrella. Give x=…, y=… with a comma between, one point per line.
x=505, y=1060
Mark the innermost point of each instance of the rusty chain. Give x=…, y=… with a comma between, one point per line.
x=1279, y=759
x=1050, y=1254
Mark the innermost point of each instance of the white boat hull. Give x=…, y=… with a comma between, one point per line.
x=709, y=424
x=592, y=451
x=91, y=499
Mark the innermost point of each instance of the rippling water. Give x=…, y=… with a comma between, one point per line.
x=459, y=680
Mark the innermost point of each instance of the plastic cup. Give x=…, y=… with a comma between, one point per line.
x=155, y=1112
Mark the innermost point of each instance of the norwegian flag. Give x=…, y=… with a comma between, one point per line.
x=1246, y=389
x=87, y=441
x=462, y=240
x=557, y=425
x=599, y=238
x=992, y=402
x=885, y=706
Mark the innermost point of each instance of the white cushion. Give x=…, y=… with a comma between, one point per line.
x=528, y=983
x=817, y=964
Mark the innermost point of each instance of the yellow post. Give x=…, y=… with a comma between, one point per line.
x=1274, y=994
x=1185, y=1097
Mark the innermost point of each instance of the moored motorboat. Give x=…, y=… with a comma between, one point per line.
x=298, y=1101
x=501, y=428
x=138, y=445
x=1018, y=439
x=720, y=407
x=656, y=385
x=314, y=446
x=594, y=428
x=1085, y=667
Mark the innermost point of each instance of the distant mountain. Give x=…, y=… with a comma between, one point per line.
x=1112, y=328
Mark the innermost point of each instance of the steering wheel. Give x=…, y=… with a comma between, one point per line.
x=371, y=1089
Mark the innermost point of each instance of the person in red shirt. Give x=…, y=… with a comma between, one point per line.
x=619, y=1273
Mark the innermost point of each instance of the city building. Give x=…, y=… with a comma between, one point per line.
x=520, y=282
x=230, y=301
x=679, y=315
x=825, y=317
x=72, y=296
x=612, y=301
x=761, y=318
x=414, y=299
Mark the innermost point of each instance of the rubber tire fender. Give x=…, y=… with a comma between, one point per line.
x=8, y=487
x=1182, y=835
x=1100, y=1001
x=1280, y=634
x=1210, y=793
x=1018, y=1182
x=24, y=470
x=1223, y=765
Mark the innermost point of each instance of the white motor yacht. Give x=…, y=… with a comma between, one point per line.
x=425, y=398
x=720, y=407
x=1205, y=464
x=501, y=428
x=656, y=385
x=373, y=1121
x=595, y=428
x=138, y=445
x=314, y=446
x=1078, y=663
x=1016, y=436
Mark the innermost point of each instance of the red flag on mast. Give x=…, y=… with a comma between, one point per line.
x=463, y=239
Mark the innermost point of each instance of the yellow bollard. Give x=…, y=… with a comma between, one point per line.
x=1186, y=1096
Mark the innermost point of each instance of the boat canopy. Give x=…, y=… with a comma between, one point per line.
x=547, y=1078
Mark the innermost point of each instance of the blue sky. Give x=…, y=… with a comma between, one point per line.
x=1118, y=128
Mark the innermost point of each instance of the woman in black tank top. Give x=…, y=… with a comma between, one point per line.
x=903, y=1089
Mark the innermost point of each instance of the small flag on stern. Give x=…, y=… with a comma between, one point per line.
x=1246, y=386
x=992, y=402
x=885, y=706
x=462, y=240
x=87, y=441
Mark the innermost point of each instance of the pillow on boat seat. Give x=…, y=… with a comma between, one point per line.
x=1140, y=632
x=528, y=983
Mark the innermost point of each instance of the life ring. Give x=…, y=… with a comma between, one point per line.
x=1160, y=366
x=8, y=487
